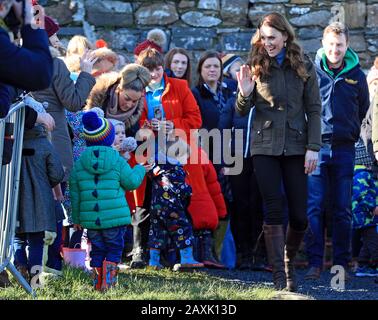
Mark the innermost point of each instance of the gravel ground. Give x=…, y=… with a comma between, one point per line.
x=355, y=289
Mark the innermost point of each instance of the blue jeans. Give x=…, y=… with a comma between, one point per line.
x=34, y=240
x=106, y=244
x=334, y=171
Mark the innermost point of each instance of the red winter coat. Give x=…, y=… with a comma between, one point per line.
x=179, y=105
x=207, y=203
x=181, y=108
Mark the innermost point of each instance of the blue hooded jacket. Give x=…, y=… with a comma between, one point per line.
x=345, y=98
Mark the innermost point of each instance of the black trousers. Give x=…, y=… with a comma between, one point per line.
x=246, y=219
x=369, y=251
x=273, y=172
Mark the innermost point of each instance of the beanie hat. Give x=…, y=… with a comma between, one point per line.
x=156, y=39
x=98, y=111
x=362, y=157
x=98, y=131
x=228, y=60
x=116, y=122
x=51, y=26
x=106, y=53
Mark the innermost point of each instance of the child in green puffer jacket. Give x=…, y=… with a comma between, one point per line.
x=98, y=183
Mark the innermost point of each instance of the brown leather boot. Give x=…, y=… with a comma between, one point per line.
x=293, y=242
x=275, y=242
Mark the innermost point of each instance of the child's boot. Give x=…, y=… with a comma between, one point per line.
x=207, y=244
x=109, y=275
x=97, y=278
x=187, y=261
x=154, y=261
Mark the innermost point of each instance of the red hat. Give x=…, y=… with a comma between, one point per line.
x=146, y=44
x=51, y=26
x=156, y=39
x=101, y=43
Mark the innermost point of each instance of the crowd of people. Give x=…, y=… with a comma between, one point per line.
x=308, y=144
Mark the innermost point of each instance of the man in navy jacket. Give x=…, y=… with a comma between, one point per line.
x=345, y=101
x=28, y=67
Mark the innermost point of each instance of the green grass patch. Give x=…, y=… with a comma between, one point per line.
x=143, y=285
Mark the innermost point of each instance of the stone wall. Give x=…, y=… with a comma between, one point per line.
x=223, y=25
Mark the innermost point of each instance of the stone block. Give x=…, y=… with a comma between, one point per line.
x=157, y=14
x=193, y=39
x=237, y=41
x=256, y=12
x=317, y=18
x=109, y=13
x=209, y=4
x=198, y=19
x=235, y=12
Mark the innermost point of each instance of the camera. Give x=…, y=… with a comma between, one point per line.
x=12, y=22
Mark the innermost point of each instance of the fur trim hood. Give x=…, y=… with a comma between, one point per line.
x=100, y=93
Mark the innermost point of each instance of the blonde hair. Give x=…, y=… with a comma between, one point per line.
x=77, y=45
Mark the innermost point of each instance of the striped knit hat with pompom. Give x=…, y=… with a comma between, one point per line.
x=97, y=131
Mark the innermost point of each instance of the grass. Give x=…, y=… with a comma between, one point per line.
x=143, y=285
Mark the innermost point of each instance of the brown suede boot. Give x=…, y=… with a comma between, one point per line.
x=293, y=242
x=275, y=242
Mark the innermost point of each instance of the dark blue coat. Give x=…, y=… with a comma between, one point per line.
x=28, y=67
x=345, y=99
x=209, y=107
x=231, y=119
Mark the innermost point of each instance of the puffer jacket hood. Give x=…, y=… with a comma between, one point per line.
x=106, y=160
x=351, y=61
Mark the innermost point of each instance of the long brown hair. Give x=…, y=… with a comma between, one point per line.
x=168, y=61
x=259, y=59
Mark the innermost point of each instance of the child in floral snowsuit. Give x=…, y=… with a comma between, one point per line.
x=169, y=218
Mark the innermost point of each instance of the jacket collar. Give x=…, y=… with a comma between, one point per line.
x=206, y=93
x=351, y=61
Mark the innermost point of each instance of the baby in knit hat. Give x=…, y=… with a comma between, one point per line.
x=98, y=183
x=231, y=64
x=121, y=143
